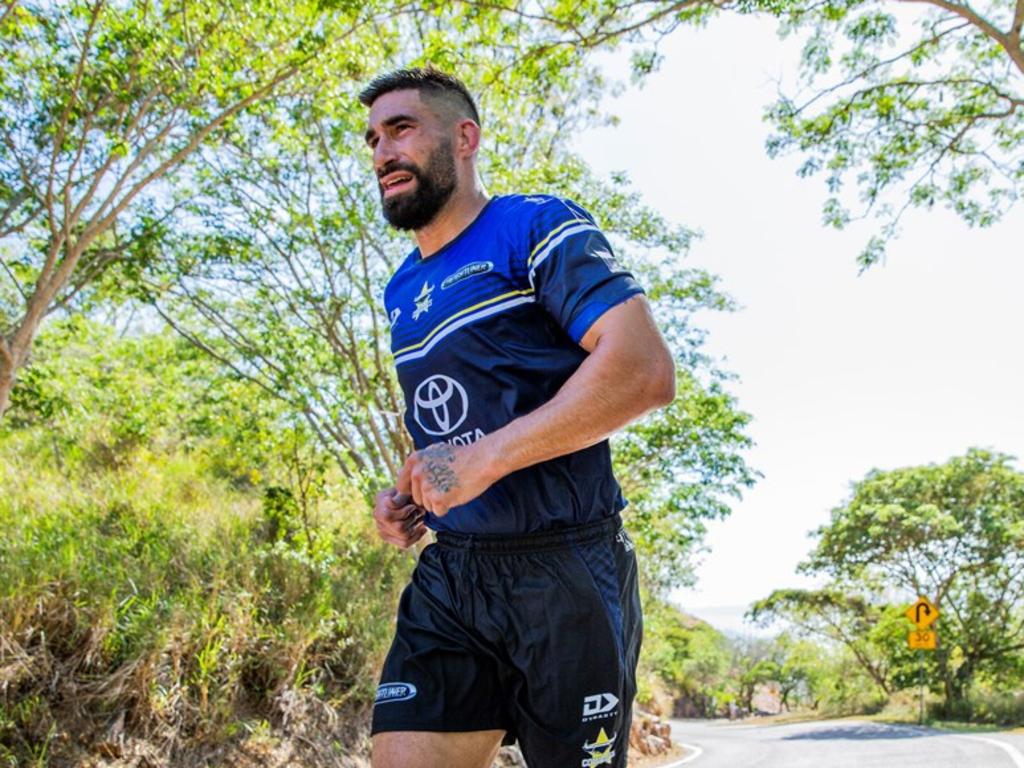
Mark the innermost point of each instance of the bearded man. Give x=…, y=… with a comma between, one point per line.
x=520, y=345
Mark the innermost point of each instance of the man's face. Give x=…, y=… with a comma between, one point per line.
x=412, y=157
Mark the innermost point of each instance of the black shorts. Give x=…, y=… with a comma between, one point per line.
x=537, y=635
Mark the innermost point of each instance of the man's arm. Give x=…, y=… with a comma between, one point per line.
x=628, y=372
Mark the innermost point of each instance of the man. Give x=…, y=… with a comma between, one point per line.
x=520, y=345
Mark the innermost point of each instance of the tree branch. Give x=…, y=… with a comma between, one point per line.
x=1018, y=23
x=966, y=12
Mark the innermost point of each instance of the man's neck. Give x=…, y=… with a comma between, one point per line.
x=460, y=211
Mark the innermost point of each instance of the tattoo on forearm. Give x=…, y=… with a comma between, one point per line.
x=438, y=459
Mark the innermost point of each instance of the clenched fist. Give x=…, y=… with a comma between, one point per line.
x=399, y=521
x=442, y=476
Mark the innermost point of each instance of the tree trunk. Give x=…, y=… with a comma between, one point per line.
x=6, y=385
x=8, y=370
x=957, y=687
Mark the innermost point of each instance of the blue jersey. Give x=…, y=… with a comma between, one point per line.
x=486, y=330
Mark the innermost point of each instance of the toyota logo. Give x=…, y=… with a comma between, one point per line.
x=440, y=404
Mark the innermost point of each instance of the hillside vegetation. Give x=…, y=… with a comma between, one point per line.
x=177, y=563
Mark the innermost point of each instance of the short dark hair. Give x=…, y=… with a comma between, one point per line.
x=428, y=81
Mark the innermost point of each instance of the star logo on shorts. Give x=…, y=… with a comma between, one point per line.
x=600, y=750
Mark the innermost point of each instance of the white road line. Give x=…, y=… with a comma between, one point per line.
x=697, y=751
x=1012, y=751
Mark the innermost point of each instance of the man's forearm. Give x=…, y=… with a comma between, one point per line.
x=616, y=384
x=628, y=372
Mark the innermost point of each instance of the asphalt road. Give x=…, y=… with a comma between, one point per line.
x=840, y=744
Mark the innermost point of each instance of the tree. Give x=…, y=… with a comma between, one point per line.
x=102, y=103
x=953, y=532
x=912, y=108
x=913, y=118
x=844, y=619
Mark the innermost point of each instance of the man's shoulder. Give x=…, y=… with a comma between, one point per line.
x=536, y=214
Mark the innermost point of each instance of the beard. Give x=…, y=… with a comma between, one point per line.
x=434, y=185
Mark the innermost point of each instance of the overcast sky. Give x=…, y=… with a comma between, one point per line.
x=911, y=363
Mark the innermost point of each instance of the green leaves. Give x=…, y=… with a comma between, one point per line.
x=951, y=532
x=912, y=119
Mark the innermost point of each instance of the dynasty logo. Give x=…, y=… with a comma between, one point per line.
x=599, y=706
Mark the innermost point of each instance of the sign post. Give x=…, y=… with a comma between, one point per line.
x=923, y=614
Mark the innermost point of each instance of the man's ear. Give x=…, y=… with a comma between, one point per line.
x=467, y=138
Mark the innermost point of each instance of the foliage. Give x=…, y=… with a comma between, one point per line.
x=710, y=674
x=102, y=103
x=171, y=579
x=678, y=467
x=99, y=395
x=952, y=532
x=910, y=108
x=915, y=110
x=682, y=658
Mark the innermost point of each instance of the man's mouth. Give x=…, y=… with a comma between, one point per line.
x=393, y=183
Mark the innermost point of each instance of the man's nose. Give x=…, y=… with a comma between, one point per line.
x=383, y=153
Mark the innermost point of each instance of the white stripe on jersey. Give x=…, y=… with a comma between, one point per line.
x=485, y=312
x=557, y=241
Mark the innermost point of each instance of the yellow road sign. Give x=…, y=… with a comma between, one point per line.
x=923, y=613
x=922, y=639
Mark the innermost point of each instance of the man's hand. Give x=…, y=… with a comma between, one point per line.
x=442, y=476
x=399, y=521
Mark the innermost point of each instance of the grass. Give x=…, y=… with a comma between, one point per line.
x=153, y=600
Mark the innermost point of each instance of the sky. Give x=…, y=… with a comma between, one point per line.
x=911, y=363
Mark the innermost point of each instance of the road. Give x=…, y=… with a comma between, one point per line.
x=840, y=744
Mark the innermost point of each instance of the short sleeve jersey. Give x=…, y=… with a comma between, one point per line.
x=486, y=330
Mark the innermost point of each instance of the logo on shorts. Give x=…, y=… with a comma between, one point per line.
x=388, y=692
x=440, y=404
x=600, y=751
x=475, y=268
x=599, y=706
x=623, y=538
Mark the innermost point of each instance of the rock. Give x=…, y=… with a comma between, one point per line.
x=509, y=757
x=649, y=735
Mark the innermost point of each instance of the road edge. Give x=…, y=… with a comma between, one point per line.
x=696, y=752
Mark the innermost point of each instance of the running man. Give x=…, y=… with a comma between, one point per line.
x=520, y=345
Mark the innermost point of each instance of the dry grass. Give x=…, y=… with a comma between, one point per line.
x=150, y=615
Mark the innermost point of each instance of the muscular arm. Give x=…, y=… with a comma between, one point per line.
x=628, y=372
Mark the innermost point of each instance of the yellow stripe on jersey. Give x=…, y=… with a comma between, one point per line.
x=452, y=318
x=551, y=234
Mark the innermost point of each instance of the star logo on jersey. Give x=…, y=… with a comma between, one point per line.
x=394, y=315
x=423, y=301
x=600, y=750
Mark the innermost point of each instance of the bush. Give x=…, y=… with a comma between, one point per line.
x=161, y=567
x=126, y=591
